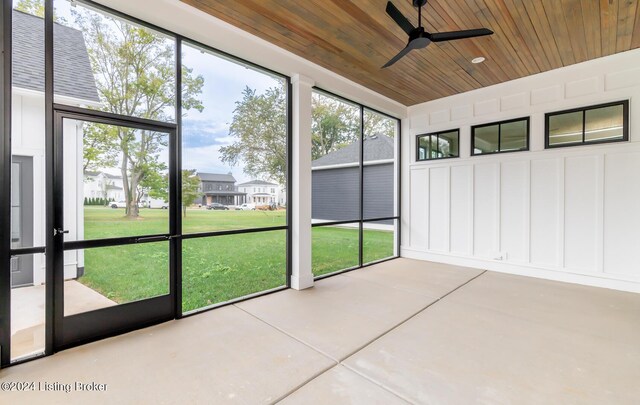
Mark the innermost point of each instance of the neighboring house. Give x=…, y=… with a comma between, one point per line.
x=262, y=192
x=336, y=181
x=219, y=188
x=103, y=185
x=74, y=85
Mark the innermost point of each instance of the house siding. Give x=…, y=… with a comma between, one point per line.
x=335, y=193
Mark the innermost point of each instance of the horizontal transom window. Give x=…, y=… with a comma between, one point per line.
x=595, y=124
x=497, y=137
x=438, y=145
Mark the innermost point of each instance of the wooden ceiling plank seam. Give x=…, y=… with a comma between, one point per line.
x=501, y=13
x=480, y=77
x=635, y=39
x=436, y=78
x=444, y=59
x=231, y=15
x=545, y=27
x=626, y=20
x=555, y=15
x=282, y=17
x=572, y=10
x=441, y=78
x=483, y=12
x=493, y=51
x=608, y=26
x=352, y=65
x=373, y=49
x=471, y=83
x=525, y=25
x=439, y=64
x=543, y=30
x=285, y=42
x=491, y=47
x=354, y=37
x=591, y=22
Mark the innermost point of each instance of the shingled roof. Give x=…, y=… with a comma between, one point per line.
x=73, y=76
x=216, y=177
x=376, y=147
x=258, y=182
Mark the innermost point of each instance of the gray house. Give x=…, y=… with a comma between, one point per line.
x=219, y=188
x=335, y=181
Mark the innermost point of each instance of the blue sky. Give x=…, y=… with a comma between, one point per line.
x=204, y=133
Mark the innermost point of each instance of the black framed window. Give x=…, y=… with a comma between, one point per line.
x=602, y=123
x=175, y=231
x=355, y=187
x=234, y=237
x=438, y=145
x=499, y=137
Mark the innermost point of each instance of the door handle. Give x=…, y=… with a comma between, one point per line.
x=152, y=239
x=59, y=231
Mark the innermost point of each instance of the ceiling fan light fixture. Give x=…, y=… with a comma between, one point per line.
x=419, y=38
x=479, y=59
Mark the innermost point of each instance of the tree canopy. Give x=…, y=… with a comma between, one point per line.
x=259, y=127
x=260, y=131
x=134, y=71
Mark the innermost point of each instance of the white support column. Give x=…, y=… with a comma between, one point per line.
x=301, y=276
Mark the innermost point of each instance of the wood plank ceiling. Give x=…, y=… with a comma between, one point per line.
x=354, y=38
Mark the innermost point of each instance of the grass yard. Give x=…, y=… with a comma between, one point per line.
x=214, y=269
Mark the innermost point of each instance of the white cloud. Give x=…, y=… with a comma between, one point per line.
x=207, y=159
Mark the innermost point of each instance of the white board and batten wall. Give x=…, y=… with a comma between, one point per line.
x=569, y=214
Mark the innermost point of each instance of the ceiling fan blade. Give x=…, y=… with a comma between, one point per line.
x=450, y=36
x=401, y=20
x=411, y=46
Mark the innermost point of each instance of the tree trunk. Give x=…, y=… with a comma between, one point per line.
x=125, y=183
x=134, y=209
x=129, y=185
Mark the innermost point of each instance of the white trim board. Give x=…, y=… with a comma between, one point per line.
x=523, y=270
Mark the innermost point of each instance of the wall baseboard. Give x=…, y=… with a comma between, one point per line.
x=522, y=270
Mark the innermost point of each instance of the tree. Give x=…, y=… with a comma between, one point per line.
x=99, y=147
x=190, y=189
x=334, y=125
x=33, y=7
x=377, y=124
x=260, y=127
x=157, y=186
x=135, y=76
x=36, y=7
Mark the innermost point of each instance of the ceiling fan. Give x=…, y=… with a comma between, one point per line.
x=418, y=37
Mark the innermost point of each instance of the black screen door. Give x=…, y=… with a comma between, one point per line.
x=113, y=253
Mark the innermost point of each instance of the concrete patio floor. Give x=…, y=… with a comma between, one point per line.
x=402, y=331
x=27, y=313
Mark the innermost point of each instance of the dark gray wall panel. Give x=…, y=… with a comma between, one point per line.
x=335, y=193
x=378, y=191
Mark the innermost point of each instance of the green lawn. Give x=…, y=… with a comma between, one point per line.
x=214, y=269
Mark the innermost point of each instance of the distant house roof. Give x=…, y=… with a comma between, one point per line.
x=90, y=173
x=223, y=192
x=73, y=76
x=376, y=147
x=216, y=177
x=258, y=183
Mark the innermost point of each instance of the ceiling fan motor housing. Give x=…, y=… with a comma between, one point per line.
x=420, y=38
